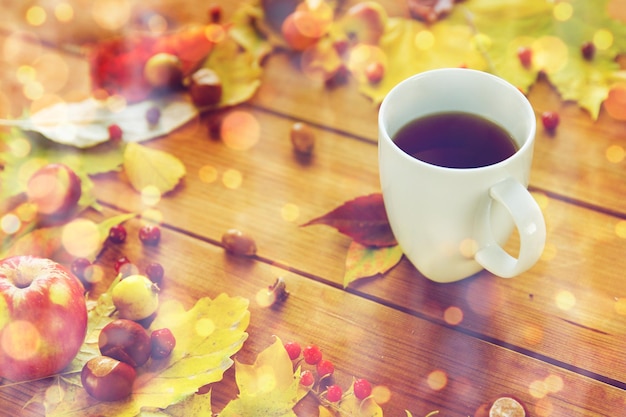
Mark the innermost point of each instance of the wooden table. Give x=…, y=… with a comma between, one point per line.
x=553, y=337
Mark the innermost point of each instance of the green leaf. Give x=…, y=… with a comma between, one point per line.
x=151, y=167
x=365, y=261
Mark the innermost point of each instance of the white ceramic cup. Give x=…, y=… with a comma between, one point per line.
x=452, y=222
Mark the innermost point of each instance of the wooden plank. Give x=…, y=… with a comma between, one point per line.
x=582, y=258
x=388, y=347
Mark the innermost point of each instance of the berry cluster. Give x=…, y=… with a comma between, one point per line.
x=323, y=370
x=148, y=235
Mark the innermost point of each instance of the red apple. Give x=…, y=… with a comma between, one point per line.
x=365, y=22
x=43, y=317
x=55, y=189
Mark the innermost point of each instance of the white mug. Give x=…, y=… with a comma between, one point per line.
x=452, y=222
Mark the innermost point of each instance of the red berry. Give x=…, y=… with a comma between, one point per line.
x=312, y=354
x=121, y=261
x=588, y=50
x=163, y=342
x=306, y=378
x=550, y=120
x=115, y=132
x=293, y=350
x=153, y=115
x=334, y=393
x=375, y=71
x=325, y=368
x=150, y=235
x=215, y=13
x=525, y=55
x=362, y=388
x=117, y=234
x=155, y=272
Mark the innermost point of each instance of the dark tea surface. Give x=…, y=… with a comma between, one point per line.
x=456, y=140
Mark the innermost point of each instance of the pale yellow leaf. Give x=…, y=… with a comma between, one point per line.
x=151, y=167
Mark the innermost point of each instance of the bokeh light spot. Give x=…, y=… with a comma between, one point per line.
x=453, y=315
x=550, y=54
x=615, y=154
x=25, y=74
x=240, y=130
x=265, y=298
x=603, y=39
x=565, y=300
x=563, y=11
x=14, y=50
x=20, y=340
x=232, y=179
x=215, y=33
x=437, y=380
x=381, y=394
x=204, y=327
x=10, y=223
x=20, y=147
x=157, y=24
x=468, y=248
x=111, y=14
x=290, y=212
x=116, y=103
x=424, y=40
x=64, y=12
x=537, y=389
x=481, y=42
x=150, y=195
x=80, y=238
x=554, y=383
x=207, y=174
x=615, y=103
x=36, y=16
x=33, y=90
x=59, y=294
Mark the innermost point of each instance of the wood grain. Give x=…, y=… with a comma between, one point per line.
x=553, y=336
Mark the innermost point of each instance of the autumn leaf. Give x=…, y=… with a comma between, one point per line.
x=366, y=261
x=207, y=336
x=53, y=242
x=84, y=124
x=267, y=388
x=117, y=64
x=364, y=219
x=18, y=166
x=151, y=167
x=194, y=405
x=239, y=71
x=486, y=35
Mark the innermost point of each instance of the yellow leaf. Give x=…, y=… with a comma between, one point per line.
x=151, y=167
x=267, y=388
x=365, y=261
x=207, y=336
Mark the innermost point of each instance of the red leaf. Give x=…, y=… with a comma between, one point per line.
x=363, y=219
x=117, y=64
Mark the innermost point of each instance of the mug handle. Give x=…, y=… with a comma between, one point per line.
x=529, y=222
